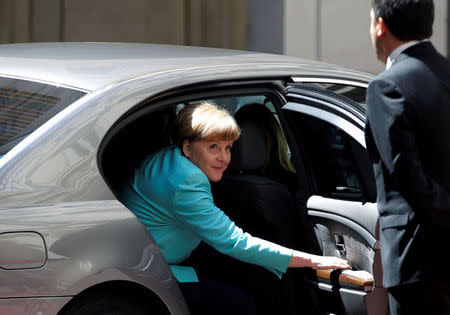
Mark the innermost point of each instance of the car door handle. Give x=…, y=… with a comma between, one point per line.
x=339, y=241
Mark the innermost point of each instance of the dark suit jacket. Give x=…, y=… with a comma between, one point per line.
x=408, y=139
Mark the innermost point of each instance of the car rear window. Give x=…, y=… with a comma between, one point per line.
x=26, y=105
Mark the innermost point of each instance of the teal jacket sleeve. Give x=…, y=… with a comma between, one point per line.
x=193, y=208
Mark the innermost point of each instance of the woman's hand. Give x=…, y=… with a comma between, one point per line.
x=328, y=262
x=300, y=259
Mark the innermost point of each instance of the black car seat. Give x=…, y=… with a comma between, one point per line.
x=258, y=204
x=263, y=208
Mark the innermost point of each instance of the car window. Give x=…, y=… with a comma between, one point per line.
x=26, y=105
x=330, y=154
x=355, y=93
x=125, y=143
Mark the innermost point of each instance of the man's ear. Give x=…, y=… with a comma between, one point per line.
x=382, y=28
x=187, y=148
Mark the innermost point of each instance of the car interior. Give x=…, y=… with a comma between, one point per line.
x=267, y=203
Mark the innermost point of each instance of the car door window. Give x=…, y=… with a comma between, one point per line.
x=157, y=125
x=354, y=90
x=26, y=105
x=354, y=93
x=330, y=130
x=329, y=152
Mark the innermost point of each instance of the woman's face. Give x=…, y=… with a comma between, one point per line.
x=211, y=156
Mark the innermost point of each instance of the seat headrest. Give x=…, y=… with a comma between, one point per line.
x=249, y=152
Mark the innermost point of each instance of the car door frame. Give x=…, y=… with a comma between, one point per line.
x=273, y=87
x=340, y=112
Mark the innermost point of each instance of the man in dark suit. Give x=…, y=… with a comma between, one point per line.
x=408, y=139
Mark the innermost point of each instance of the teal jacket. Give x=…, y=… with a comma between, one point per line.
x=172, y=197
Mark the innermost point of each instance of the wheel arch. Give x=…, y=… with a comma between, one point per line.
x=126, y=289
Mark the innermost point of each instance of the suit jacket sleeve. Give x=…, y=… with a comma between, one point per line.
x=390, y=121
x=193, y=208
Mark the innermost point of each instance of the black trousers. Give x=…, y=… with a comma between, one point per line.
x=209, y=296
x=420, y=298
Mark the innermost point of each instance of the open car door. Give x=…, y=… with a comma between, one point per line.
x=329, y=131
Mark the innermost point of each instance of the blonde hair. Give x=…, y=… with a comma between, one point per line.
x=204, y=121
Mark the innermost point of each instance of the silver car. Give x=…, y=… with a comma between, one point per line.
x=76, y=118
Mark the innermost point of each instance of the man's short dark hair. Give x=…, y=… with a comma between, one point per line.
x=406, y=19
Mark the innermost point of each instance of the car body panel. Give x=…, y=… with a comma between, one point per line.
x=90, y=66
x=40, y=305
x=51, y=185
x=22, y=250
x=105, y=243
x=71, y=138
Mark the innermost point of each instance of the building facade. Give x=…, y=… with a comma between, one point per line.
x=327, y=30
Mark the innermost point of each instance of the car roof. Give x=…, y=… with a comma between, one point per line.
x=90, y=66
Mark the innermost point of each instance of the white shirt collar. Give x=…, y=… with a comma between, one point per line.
x=397, y=51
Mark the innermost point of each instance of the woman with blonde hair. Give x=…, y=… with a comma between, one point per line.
x=170, y=193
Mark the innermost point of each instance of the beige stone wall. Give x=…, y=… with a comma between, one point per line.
x=214, y=23
x=15, y=21
x=327, y=30
x=217, y=23
x=124, y=21
x=47, y=21
x=338, y=32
